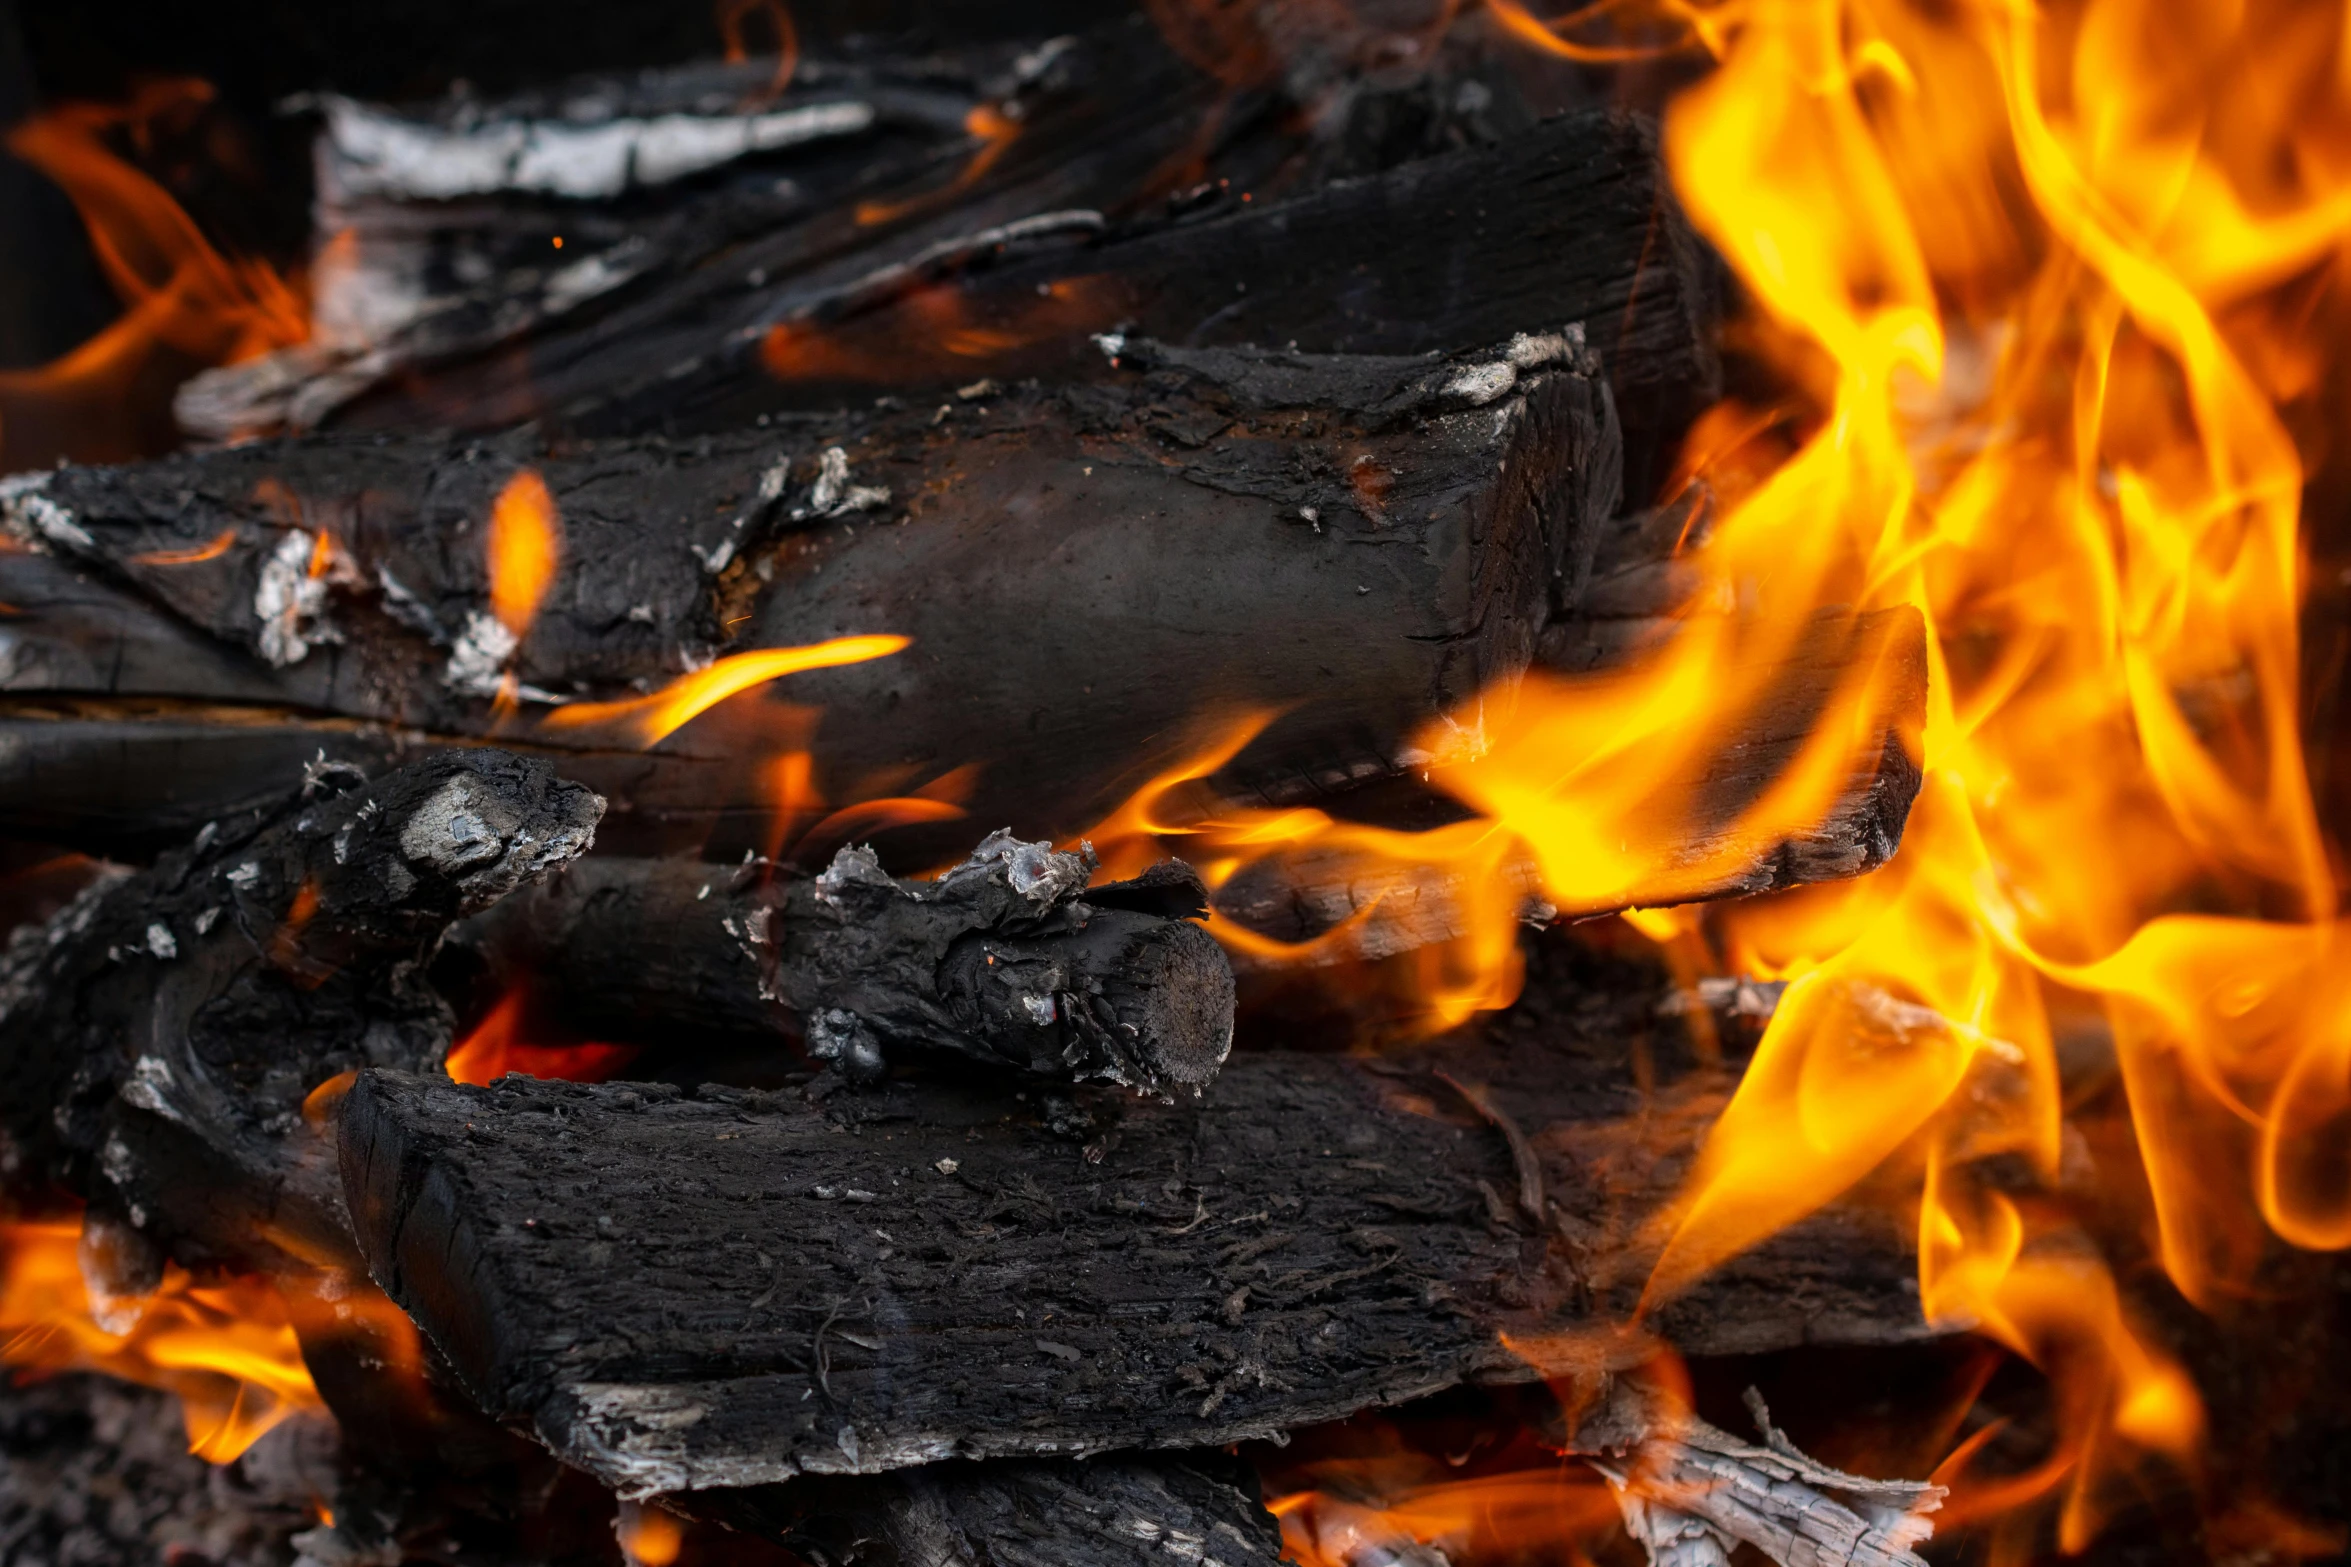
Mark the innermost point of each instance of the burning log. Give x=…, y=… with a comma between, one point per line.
x=936, y=1270
x=1362, y=541
x=1009, y=959
x=159, y=1037
x=1389, y=905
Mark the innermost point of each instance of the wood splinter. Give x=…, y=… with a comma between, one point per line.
x=1692, y=1493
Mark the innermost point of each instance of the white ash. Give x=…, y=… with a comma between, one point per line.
x=832, y=495
x=34, y=518
x=477, y=660
x=1691, y=1493
x=369, y=151
x=1734, y=994
x=290, y=602
x=1037, y=871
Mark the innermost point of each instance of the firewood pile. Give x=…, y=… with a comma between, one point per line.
x=734, y=544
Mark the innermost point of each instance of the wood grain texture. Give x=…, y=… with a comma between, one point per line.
x=937, y=1270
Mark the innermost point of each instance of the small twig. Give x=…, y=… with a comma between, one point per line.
x=1522, y=1152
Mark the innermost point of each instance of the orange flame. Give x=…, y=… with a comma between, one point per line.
x=650, y=719
x=186, y=306
x=2028, y=261
x=992, y=128
x=2040, y=280
x=497, y=1045
x=227, y=1350
x=732, y=14
x=526, y=540
x=220, y=544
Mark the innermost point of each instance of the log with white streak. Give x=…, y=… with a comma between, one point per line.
x=1690, y=1492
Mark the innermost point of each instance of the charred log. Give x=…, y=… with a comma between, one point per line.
x=1361, y=541
x=1008, y=959
x=160, y=1035
x=1571, y=221
x=938, y=1270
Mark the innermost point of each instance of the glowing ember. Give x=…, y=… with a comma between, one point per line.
x=227, y=1350
x=651, y=719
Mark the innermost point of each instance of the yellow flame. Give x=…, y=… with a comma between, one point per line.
x=650, y=719
x=526, y=540
x=227, y=1350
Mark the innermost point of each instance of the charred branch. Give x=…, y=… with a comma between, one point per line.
x=1008, y=959
x=160, y=1036
x=937, y=1269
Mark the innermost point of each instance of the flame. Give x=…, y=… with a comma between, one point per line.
x=227, y=1350
x=185, y=305
x=526, y=540
x=2044, y=285
x=1554, y=1513
x=2031, y=268
x=650, y=719
x=932, y=334
x=994, y=129
x=1683, y=27
x=220, y=544
x=498, y=1045
x=732, y=14
x=648, y=1535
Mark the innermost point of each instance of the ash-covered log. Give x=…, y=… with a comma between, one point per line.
x=686, y=1293
x=160, y=1036
x=1007, y=959
x=1360, y=542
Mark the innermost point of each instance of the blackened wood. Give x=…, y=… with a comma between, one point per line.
x=686, y=1293
x=160, y=1034
x=1120, y=1510
x=1572, y=221
x=1356, y=541
x=1007, y=959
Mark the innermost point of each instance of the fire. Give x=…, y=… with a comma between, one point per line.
x=650, y=719
x=185, y=305
x=499, y=1044
x=2050, y=289
x=227, y=1350
x=934, y=334
x=526, y=540
x=994, y=129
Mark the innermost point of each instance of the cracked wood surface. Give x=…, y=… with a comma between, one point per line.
x=940, y=1269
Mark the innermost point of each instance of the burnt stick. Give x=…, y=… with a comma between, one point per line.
x=1008, y=959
